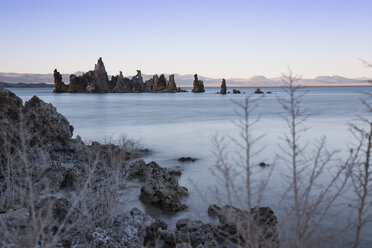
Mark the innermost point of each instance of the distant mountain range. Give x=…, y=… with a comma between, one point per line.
x=25, y=85
x=187, y=80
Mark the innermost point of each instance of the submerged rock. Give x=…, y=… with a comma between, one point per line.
x=198, y=85
x=160, y=188
x=223, y=87
x=235, y=91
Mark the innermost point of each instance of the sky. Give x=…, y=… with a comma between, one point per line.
x=230, y=38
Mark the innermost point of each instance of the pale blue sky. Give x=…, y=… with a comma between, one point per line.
x=214, y=38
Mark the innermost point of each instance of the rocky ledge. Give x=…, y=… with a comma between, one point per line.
x=97, y=81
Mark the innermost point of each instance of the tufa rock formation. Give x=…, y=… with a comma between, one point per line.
x=223, y=87
x=198, y=85
x=59, y=86
x=97, y=81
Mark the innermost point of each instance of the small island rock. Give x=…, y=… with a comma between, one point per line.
x=223, y=87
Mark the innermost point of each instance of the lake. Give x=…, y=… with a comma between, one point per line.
x=184, y=124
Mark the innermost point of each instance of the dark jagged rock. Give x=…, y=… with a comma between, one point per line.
x=160, y=188
x=37, y=123
x=223, y=87
x=198, y=85
x=45, y=125
x=234, y=224
x=235, y=91
x=59, y=86
x=258, y=91
x=97, y=81
x=11, y=114
x=100, y=77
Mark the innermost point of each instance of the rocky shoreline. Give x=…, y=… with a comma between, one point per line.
x=65, y=190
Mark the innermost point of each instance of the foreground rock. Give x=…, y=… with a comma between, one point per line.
x=131, y=229
x=34, y=125
x=198, y=86
x=258, y=226
x=160, y=188
x=223, y=90
x=190, y=233
x=97, y=81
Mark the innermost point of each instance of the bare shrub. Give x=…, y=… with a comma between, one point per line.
x=243, y=182
x=362, y=173
x=314, y=180
x=63, y=202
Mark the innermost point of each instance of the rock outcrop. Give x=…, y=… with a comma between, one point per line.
x=234, y=225
x=160, y=188
x=45, y=126
x=198, y=85
x=36, y=124
x=223, y=87
x=59, y=86
x=10, y=123
x=97, y=81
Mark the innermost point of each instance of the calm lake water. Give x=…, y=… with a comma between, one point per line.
x=183, y=124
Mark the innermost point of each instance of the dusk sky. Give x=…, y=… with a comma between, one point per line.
x=232, y=38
